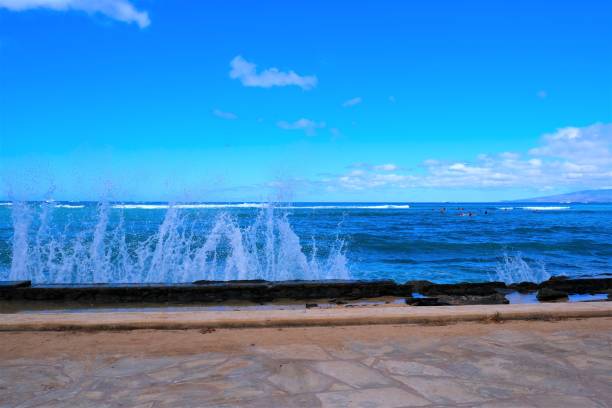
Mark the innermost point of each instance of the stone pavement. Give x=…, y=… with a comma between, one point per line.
x=513, y=364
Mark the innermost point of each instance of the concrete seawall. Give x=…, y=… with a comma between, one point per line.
x=299, y=318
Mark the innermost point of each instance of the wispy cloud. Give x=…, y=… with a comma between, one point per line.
x=570, y=157
x=308, y=126
x=386, y=167
x=352, y=102
x=224, y=115
x=120, y=10
x=246, y=72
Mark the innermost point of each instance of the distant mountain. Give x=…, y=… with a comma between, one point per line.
x=586, y=196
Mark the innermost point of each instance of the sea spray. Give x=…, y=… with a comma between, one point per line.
x=514, y=269
x=186, y=246
x=22, y=218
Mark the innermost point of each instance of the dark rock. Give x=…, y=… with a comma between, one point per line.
x=551, y=295
x=494, y=299
x=463, y=289
x=203, y=292
x=205, y=282
x=524, y=287
x=425, y=301
x=311, y=305
x=579, y=286
x=332, y=289
x=418, y=285
x=405, y=289
x=14, y=284
x=263, y=291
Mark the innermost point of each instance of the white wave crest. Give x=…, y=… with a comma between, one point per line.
x=186, y=206
x=176, y=250
x=348, y=207
x=514, y=269
x=69, y=206
x=550, y=208
x=259, y=206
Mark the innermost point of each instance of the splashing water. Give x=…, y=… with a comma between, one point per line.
x=514, y=269
x=183, y=248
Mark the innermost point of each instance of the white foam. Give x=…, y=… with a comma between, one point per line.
x=258, y=205
x=551, y=208
x=506, y=208
x=141, y=206
x=186, y=206
x=178, y=251
x=348, y=207
x=69, y=206
x=514, y=269
x=5, y=204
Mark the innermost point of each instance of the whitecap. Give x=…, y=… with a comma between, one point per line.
x=69, y=206
x=551, y=208
x=348, y=207
x=186, y=206
x=259, y=205
x=141, y=206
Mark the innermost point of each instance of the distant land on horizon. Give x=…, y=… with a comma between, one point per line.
x=585, y=196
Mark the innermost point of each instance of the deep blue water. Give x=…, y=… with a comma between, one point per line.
x=92, y=242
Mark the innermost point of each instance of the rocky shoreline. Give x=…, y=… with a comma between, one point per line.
x=415, y=292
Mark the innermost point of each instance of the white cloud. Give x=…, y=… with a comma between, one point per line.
x=307, y=125
x=386, y=167
x=224, y=115
x=352, y=102
x=246, y=72
x=121, y=10
x=590, y=144
x=570, y=158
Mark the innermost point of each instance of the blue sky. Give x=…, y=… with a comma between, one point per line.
x=313, y=100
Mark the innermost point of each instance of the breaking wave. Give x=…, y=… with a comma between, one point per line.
x=514, y=269
x=183, y=248
x=536, y=208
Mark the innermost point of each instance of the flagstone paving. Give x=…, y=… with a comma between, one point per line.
x=501, y=367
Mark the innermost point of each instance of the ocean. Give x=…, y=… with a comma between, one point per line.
x=106, y=242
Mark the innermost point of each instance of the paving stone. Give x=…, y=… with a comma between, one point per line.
x=340, y=387
x=373, y=397
x=295, y=352
x=203, y=362
x=167, y=374
x=505, y=368
x=294, y=378
x=129, y=366
x=352, y=373
x=508, y=404
x=441, y=390
x=565, y=401
x=409, y=368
